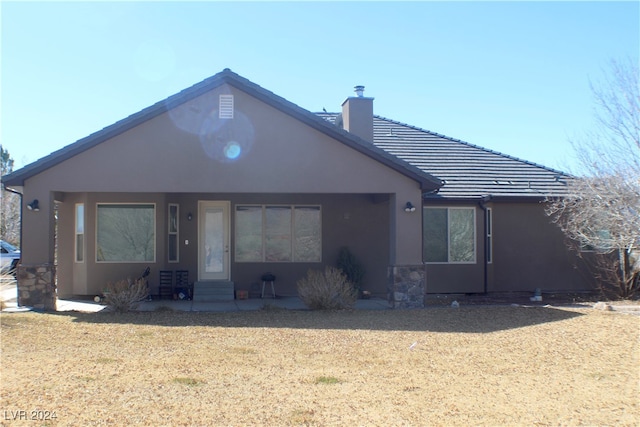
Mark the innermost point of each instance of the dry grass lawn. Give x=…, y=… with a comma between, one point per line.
x=441, y=366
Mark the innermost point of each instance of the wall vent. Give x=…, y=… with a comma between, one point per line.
x=226, y=107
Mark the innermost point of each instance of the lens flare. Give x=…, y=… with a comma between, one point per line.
x=233, y=150
x=222, y=139
x=226, y=140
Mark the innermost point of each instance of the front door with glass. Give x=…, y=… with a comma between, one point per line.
x=213, y=240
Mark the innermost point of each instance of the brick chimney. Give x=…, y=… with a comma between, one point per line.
x=357, y=115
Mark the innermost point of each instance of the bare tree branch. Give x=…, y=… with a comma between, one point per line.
x=9, y=204
x=601, y=210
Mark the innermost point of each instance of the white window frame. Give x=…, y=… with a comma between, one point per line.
x=489, y=226
x=173, y=231
x=292, y=228
x=155, y=234
x=79, y=224
x=475, y=243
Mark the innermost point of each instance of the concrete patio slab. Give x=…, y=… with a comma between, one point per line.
x=9, y=296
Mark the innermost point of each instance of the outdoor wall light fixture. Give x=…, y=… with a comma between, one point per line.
x=409, y=207
x=34, y=206
x=189, y=216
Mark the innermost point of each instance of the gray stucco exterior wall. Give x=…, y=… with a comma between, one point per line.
x=528, y=252
x=282, y=160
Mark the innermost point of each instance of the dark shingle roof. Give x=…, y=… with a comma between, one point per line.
x=469, y=171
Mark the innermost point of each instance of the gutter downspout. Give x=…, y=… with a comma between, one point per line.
x=482, y=204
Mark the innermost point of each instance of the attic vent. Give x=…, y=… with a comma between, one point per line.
x=226, y=107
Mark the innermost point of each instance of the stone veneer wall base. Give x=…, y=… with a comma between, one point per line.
x=406, y=286
x=36, y=286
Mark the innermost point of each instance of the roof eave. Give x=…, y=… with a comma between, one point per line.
x=117, y=128
x=17, y=178
x=489, y=198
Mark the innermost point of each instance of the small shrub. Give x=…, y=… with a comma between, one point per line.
x=327, y=290
x=123, y=295
x=350, y=266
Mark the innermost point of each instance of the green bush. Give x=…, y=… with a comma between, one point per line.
x=351, y=267
x=123, y=295
x=327, y=290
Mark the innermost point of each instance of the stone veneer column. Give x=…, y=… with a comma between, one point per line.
x=37, y=287
x=406, y=286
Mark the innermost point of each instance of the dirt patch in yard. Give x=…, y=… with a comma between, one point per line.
x=475, y=365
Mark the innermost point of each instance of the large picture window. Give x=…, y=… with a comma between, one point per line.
x=278, y=234
x=248, y=233
x=125, y=233
x=306, y=233
x=449, y=235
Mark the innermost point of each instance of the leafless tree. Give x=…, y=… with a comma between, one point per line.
x=601, y=210
x=9, y=204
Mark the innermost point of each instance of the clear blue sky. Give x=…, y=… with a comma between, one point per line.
x=509, y=76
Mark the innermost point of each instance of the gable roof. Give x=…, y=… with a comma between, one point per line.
x=468, y=171
x=427, y=181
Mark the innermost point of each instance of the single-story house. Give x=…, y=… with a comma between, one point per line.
x=226, y=181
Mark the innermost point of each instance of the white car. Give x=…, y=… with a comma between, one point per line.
x=9, y=258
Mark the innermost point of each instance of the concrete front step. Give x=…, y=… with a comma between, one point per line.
x=213, y=290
